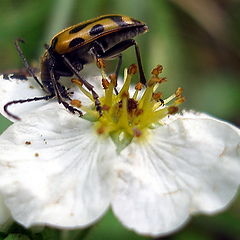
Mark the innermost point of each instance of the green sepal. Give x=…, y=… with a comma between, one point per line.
x=121, y=139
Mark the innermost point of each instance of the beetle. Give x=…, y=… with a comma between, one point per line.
x=104, y=37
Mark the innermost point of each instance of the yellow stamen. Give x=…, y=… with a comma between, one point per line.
x=83, y=90
x=128, y=73
x=126, y=116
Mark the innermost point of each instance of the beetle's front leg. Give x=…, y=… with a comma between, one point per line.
x=116, y=50
x=99, y=53
x=85, y=83
x=58, y=92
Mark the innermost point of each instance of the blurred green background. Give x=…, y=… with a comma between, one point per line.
x=197, y=42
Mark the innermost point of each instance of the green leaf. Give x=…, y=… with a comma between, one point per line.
x=50, y=234
x=4, y=123
x=110, y=228
x=16, y=237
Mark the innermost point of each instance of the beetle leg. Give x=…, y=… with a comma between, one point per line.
x=119, y=64
x=86, y=84
x=118, y=48
x=97, y=49
x=99, y=52
x=140, y=67
x=59, y=95
x=25, y=62
x=47, y=97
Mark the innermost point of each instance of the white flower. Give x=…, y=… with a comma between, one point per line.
x=152, y=168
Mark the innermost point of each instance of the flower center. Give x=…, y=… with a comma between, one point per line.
x=130, y=114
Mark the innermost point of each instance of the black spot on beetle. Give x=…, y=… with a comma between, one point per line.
x=54, y=42
x=96, y=29
x=78, y=28
x=75, y=42
x=119, y=21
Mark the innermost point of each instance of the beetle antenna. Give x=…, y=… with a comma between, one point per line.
x=23, y=101
x=25, y=62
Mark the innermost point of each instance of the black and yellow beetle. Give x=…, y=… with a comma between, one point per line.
x=104, y=37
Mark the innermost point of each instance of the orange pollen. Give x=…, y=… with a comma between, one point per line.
x=113, y=77
x=105, y=83
x=180, y=100
x=157, y=70
x=76, y=103
x=179, y=92
x=132, y=104
x=76, y=81
x=100, y=63
x=172, y=109
x=157, y=96
x=132, y=69
x=139, y=86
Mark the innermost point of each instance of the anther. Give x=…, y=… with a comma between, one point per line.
x=132, y=69
x=100, y=63
x=179, y=92
x=157, y=96
x=76, y=81
x=113, y=78
x=76, y=103
x=180, y=100
x=157, y=70
x=139, y=86
x=105, y=83
x=172, y=110
x=132, y=105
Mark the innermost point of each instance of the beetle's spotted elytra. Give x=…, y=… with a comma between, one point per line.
x=104, y=37
x=83, y=33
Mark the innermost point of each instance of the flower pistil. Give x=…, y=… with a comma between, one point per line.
x=126, y=115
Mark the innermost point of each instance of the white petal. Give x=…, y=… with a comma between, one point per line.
x=191, y=165
x=15, y=88
x=54, y=170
